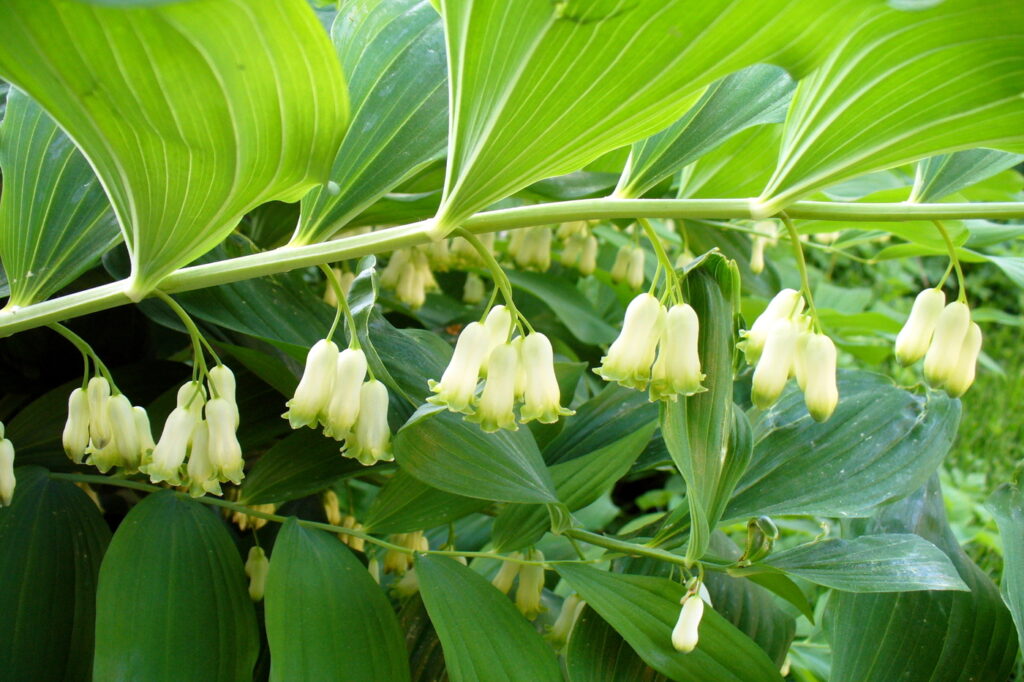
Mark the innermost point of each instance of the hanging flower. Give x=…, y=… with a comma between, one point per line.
x=506, y=575
x=630, y=357
x=588, y=256
x=145, y=432
x=685, y=634
x=98, y=392
x=222, y=385
x=819, y=361
x=170, y=452
x=457, y=386
x=531, y=586
x=962, y=375
x=567, y=617
x=202, y=476
x=677, y=369
x=914, y=338
x=76, y=430
x=775, y=365
x=787, y=304
x=947, y=342
x=7, y=478
x=635, y=268
x=343, y=408
x=225, y=452
x=473, y=291
x=257, y=566
x=536, y=367
x=370, y=440
x=620, y=267
x=494, y=410
x=314, y=390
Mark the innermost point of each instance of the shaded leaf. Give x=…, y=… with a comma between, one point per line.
x=570, y=306
x=406, y=504
x=608, y=417
x=599, y=654
x=1007, y=505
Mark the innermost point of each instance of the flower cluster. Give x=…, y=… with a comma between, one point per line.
x=410, y=272
x=107, y=428
x=657, y=349
x=462, y=253
x=530, y=248
x=517, y=370
x=199, y=444
x=781, y=344
x=335, y=394
x=7, y=479
x=579, y=247
x=629, y=266
x=945, y=337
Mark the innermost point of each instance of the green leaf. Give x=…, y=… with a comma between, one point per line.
x=939, y=176
x=196, y=113
x=903, y=86
x=756, y=95
x=752, y=609
x=393, y=55
x=739, y=167
x=541, y=89
x=892, y=562
x=570, y=306
x=881, y=444
x=172, y=600
x=644, y=609
x=55, y=220
x=445, y=451
x=608, y=417
x=697, y=428
x=298, y=465
x=483, y=635
x=599, y=654
x=927, y=636
x=53, y=539
x=1007, y=506
x=327, y=619
x=578, y=482
x=406, y=504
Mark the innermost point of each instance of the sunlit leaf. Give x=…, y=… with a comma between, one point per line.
x=939, y=176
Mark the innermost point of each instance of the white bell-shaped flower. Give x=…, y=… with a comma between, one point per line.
x=635, y=268
x=314, y=390
x=392, y=272
x=169, y=454
x=7, y=478
x=820, y=391
x=757, y=245
x=560, y=631
x=457, y=386
x=630, y=357
x=685, y=633
x=124, y=431
x=775, y=365
x=222, y=385
x=499, y=325
x=571, y=251
x=536, y=369
x=473, y=291
x=507, y=573
x=370, y=440
x=944, y=351
x=202, y=476
x=144, y=432
x=343, y=409
x=787, y=304
x=76, y=430
x=677, y=369
x=620, y=267
x=531, y=586
x=98, y=391
x=412, y=285
x=225, y=451
x=962, y=376
x=588, y=256
x=916, y=335
x=495, y=409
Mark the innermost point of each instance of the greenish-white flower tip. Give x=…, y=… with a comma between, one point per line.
x=202, y=475
x=685, y=634
x=635, y=268
x=457, y=386
x=787, y=304
x=170, y=451
x=821, y=393
x=944, y=352
x=775, y=364
x=76, y=431
x=314, y=389
x=98, y=391
x=343, y=408
x=531, y=586
x=225, y=451
x=473, y=291
x=257, y=566
x=916, y=335
x=495, y=408
x=562, y=628
x=631, y=355
x=370, y=439
x=192, y=396
x=588, y=256
x=506, y=575
x=7, y=478
x=677, y=369
x=222, y=385
x=540, y=391
x=962, y=375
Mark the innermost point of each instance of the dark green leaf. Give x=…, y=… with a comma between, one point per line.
x=406, y=504
x=753, y=610
x=172, y=600
x=1007, y=505
x=570, y=306
x=599, y=654
x=300, y=464
x=610, y=416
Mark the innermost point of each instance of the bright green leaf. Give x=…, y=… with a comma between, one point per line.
x=1007, y=505
x=939, y=176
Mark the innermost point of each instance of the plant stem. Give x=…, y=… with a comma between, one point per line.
x=962, y=294
x=801, y=264
x=291, y=257
x=623, y=547
x=87, y=352
x=332, y=281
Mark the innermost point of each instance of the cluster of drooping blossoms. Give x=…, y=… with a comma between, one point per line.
x=107, y=428
x=410, y=272
x=945, y=337
x=530, y=248
x=782, y=344
x=685, y=634
x=334, y=393
x=516, y=371
x=656, y=350
x=629, y=266
x=579, y=247
x=199, y=444
x=531, y=582
x=332, y=510
x=7, y=479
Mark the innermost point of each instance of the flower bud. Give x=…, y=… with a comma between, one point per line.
x=125, y=433
x=685, y=633
x=222, y=385
x=457, y=386
x=506, y=575
x=560, y=631
x=588, y=256
x=531, y=586
x=343, y=408
x=370, y=442
x=358, y=544
x=786, y=304
x=408, y=585
x=533, y=252
x=913, y=340
x=169, y=454
x=256, y=567
x=962, y=376
x=944, y=351
x=332, y=507
x=820, y=392
x=542, y=397
x=411, y=288
x=202, y=478
x=573, y=229
x=225, y=451
x=474, y=290
x=99, y=428
x=635, y=268
x=7, y=479
x=494, y=410
x=677, y=369
x=630, y=357
x=314, y=390
x=775, y=364
x=76, y=430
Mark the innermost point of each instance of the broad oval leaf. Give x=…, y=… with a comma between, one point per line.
x=752, y=609
x=327, y=619
x=196, y=113
x=597, y=653
x=644, y=609
x=756, y=95
x=903, y=86
x=939, y=176
x=53, y=539
x=445, y=451
x=392, y=52
x=882, y=443
x=608, y=417
x=738, y=168
x=541, y=89
x=483, y=635
x=171, y=545
x=1007, y=505
x=55, y=220
x=298, y=465
x=406, y=504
